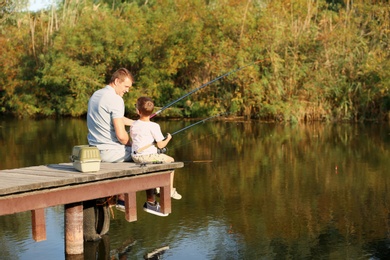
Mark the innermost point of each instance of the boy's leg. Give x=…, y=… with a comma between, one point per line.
x=150, y=197
x=172, y=177
x=162, y=158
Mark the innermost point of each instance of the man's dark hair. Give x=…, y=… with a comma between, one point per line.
x=122, y=74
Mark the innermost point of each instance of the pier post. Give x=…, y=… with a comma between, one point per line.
x=38, y=224
x=130, y=206
x=74, y=243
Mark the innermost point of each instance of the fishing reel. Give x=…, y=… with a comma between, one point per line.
x=162, y=150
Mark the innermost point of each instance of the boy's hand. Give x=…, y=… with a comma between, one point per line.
x=164, y=142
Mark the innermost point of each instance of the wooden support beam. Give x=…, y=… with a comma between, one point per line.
x=38, y=224
x=74, y=242
x=73, y=193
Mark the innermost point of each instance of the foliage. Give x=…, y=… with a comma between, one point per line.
x=314, y=60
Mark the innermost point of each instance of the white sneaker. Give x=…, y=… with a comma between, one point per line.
x=120, y=205
x=175, y=195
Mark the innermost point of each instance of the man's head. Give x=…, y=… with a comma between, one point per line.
x=121, y=81
x=145, y=106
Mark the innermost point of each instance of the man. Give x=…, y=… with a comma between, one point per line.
x=106, y=121
x=107, y=127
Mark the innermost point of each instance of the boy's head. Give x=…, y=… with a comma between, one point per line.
x=145, y=106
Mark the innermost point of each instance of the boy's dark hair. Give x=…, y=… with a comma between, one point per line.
x=122, y=74
x=145, y=106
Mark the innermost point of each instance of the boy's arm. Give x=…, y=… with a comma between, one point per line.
x=164, y=142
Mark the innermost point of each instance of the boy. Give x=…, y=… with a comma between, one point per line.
x=145, y=134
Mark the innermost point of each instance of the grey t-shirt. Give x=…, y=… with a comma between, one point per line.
x=103, y=106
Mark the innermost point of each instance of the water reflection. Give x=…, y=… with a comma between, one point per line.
x=270, y=191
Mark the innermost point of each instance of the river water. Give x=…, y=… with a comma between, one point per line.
x=250, y=190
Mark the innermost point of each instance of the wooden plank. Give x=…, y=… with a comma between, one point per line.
x=4, y=176
x=37, y=177
x=44, y=172
x=110, y=169
x=22, y=185
x=12, y=182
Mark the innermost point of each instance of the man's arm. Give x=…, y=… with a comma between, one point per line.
x=127, y=121
x=120, y=131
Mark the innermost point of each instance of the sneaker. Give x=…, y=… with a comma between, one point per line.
x=154, y=208
x=175, y=195
x=120, y=205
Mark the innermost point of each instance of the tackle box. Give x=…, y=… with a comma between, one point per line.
x=86, y=158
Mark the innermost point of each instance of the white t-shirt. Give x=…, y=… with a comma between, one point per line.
x=143, y=134
x=103, y=106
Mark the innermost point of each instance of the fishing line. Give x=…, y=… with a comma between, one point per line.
x=178, y=145
x=201, y=121
x=204, y=85
x=189, y=126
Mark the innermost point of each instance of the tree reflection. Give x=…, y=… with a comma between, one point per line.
x=275, y=191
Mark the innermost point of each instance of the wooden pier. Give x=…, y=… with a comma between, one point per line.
x=38, y=187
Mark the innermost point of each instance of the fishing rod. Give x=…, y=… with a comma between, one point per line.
x=161, y=162
x=163, y=150
x=204, y=85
